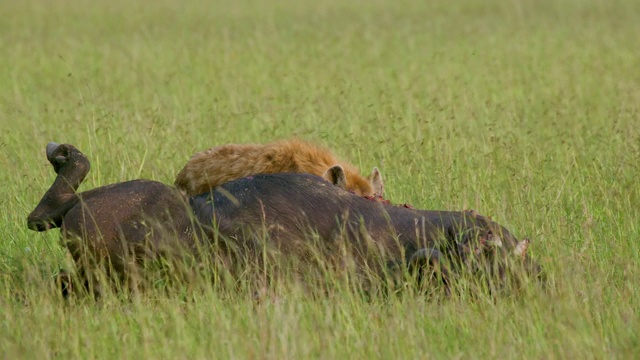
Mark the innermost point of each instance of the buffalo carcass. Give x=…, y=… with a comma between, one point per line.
x=129, y=222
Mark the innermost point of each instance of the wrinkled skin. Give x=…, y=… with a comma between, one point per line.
x=148, y=219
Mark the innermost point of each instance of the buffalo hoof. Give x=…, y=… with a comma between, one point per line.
x=51, y=147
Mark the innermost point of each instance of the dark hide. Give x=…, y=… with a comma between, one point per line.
x=288, y=207
x=149, y=219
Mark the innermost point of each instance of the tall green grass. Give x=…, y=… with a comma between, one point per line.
x=527, y=111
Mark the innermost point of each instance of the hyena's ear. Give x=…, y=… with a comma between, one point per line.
x=375, y=179
x=336, y=176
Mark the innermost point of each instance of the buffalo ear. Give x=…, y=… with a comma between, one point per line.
x=375, y=179
x=336, y=176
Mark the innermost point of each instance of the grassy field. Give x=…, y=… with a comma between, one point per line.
x=527, y=111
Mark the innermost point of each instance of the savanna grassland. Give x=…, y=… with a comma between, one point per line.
x=527, y=111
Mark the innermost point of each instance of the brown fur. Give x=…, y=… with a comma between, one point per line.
x=210, y=168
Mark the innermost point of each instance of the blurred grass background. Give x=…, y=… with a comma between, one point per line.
x=527, y=111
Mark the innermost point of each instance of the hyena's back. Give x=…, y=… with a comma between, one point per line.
x=210, y=168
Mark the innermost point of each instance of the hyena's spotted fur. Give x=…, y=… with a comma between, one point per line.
x=210, y=168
